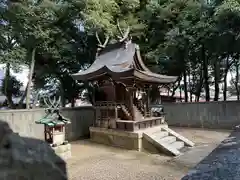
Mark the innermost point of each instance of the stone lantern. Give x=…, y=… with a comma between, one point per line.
x=54, y=131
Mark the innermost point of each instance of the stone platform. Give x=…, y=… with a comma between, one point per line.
x=128, y=125
x=158, y=139
x=64, y=151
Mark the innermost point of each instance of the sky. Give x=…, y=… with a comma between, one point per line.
x=22, y=76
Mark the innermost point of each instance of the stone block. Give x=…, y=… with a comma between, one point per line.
x=158, y=121
x=58, y=138
x=113, y=124
x=28, y=158
x=65, y=155
x=163, y=120
x=123, y=139
x=147, y=125
x=121, y=125
x=129, y=126
x=62, y=148
x=142, y=125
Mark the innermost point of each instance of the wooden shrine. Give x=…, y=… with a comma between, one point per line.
x=54, y=128
x=122, y=99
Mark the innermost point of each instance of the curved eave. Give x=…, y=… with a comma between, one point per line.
x=153, y=77
x=101, y=72
x=148, y=75
x=139, y=59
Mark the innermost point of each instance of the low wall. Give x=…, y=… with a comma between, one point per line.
x=219, y=115
x=23, y=121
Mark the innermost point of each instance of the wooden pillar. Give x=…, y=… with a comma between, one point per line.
x=116, y=112
x=131, y=109
x=145, y=102
x=94, y=103
x=148, y=100
x=45, y=132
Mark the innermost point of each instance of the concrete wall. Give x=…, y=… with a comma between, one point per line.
x=23, y=121
x=219, y=115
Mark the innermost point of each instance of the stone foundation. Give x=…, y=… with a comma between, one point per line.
x=127, y=125
x=117, y=138
x=64, y=151
x=122, y=139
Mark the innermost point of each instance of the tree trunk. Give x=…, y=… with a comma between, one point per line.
x=205, y=74
x=180, y=93
x=7, y=92
x=225, y=87
x=143, y=4
x=190, y=85
x=74, y=95
x=237, y=80
x=30, y=78
x=185, y=86
x=73, y=102
x=216, y=79
x=20, y=103
x=177, y=86
x=200, y=85
x=228, y=65
x=63, y=99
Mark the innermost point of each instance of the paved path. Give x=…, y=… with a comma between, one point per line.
x=221, y=164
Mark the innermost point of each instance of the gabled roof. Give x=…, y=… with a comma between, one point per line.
x=119, y=61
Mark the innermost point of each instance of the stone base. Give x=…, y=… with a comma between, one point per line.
x=119, y=138
x=64, y=151
x=127, y=125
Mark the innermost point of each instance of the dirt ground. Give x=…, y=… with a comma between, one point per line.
x=97, y=162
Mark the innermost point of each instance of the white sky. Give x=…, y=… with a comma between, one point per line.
x=22, y=76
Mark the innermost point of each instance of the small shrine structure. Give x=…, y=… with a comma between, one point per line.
x=122, y=97
x=54, y=128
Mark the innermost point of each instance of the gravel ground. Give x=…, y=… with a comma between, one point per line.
x=97, y=162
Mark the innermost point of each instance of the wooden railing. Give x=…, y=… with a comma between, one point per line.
x=106, y=114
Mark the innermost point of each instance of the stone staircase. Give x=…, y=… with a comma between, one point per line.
x=126, y=112
x=138, y=113
x=167, y=141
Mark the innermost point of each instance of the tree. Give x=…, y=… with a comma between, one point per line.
x=11, y=88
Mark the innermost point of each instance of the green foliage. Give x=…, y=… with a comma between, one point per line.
x=191, y=39
x=12, y=86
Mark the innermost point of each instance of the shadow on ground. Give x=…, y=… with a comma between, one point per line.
x=28, y=158
x=223, y=163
